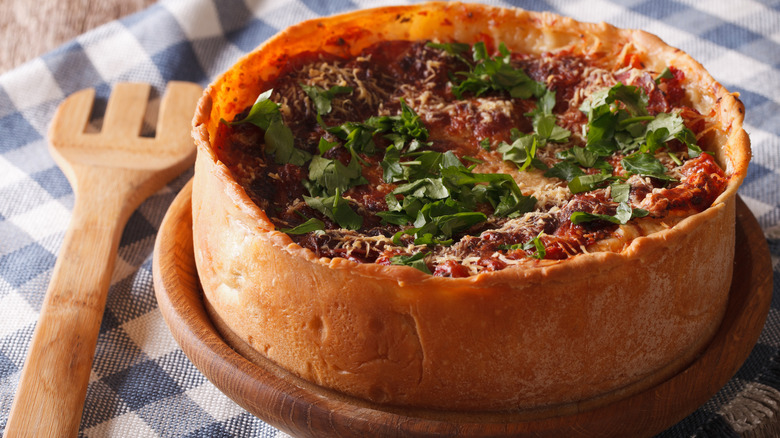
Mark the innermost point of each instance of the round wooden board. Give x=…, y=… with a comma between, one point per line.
x=303, y=409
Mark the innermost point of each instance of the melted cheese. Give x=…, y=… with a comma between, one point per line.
x=552, y=194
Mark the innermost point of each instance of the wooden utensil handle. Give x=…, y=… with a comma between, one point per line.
x=53, y=383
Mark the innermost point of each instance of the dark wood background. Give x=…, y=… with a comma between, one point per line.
x=29, y=28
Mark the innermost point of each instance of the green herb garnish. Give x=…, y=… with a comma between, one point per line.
x=535, y=244
x=322, y=98
x=665, y=74
x=279, y=142
x=310, y=225
x=491, y=73
x=337, y=209
x=544, y=121
x=262, y=113
x=586, y=183
x=521, y=151
x=620, y=192
x=453, y=49
x=415, y=260
x=278, y=137
x=440, y=195
x=618, y=122
x=565, y=170
x=623, y=214
x=645, y=164
x=326, y=176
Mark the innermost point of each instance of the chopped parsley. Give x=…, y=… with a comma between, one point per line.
x=326, y=176
x=665, y=74
x=279, y=140
x=309, y=226
x=586, y=183
x=415, y=260
x=620, y=193
x=619, y=122
x=337, y=209
x=489, y=73
x=262, y=113
x=645, y=164
x=322, y=98
x=522, y=151
x=623, y=214
x=544, y=122
x=406, y=132
x=440, y=195
x=536, y=244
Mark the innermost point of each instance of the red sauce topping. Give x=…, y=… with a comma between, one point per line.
x=423, y=76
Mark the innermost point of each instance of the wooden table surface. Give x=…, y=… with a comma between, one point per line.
x=30, y=28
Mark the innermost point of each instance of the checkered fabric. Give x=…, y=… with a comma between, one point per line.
x=142, y=385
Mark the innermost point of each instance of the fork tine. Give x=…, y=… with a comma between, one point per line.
x=125, y=109
x=120, y=137
x=176, y=109
x=72, y=116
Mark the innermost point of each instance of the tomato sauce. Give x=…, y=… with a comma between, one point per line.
x=384, y=73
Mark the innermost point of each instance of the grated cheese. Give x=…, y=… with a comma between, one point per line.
x=552, y=194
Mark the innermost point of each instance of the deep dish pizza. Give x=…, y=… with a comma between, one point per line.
x=456, y=206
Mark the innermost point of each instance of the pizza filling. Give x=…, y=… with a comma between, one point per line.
x=458, y=159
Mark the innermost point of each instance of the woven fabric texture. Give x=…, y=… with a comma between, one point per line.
x=142, y=384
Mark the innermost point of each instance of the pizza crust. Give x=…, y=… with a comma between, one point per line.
x=592, y=327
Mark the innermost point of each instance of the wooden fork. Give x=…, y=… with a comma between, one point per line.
x=111, y=173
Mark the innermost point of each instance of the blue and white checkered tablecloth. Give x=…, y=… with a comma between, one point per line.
x=142, y=385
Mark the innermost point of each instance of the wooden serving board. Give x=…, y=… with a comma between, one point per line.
x=303, y=409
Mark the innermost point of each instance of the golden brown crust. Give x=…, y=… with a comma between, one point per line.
x=559, y=333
